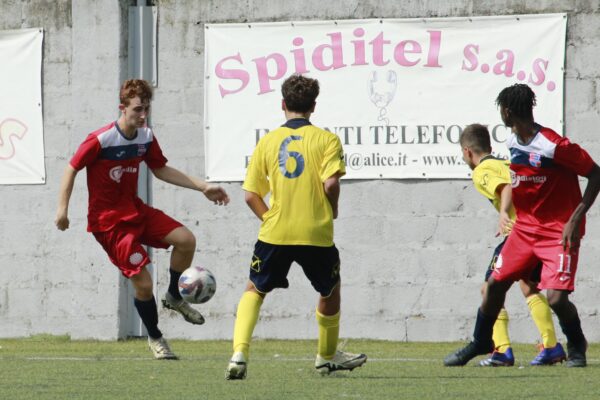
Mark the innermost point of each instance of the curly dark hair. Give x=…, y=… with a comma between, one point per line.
x=135, y=88
x=519, y=99
x=299, y=93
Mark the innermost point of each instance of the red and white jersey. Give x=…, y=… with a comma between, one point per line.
x=544, y=181
x=112, y=163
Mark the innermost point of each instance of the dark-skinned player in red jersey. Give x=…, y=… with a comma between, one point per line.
x=550, y=223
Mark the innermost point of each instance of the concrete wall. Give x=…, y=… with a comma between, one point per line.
x=413, y=252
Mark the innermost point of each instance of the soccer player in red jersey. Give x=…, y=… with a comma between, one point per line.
x=550, y=223
x=119, y=219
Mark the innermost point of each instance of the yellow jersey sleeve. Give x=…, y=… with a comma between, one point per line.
x=256, y=176
x=488, y=176
x=333, y=159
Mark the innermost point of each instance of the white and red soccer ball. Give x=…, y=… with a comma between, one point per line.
x=197, y=285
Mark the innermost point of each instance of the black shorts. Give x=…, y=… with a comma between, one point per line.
x=536, y=273
x=271, y=264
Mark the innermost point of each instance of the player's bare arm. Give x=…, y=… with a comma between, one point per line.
x=214, y=193
x=66, y=188
x=505, y=224
x=570, y=236
x=332, y=191
x=256, y=204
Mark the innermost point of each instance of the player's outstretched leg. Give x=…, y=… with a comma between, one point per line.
x=189, y=313
x=184, y=246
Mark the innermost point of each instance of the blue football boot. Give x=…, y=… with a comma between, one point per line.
x=549, y=356
x=498, y=359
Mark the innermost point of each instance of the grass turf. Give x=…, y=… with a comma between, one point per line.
x=47, y=367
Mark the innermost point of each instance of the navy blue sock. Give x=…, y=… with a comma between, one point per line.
x=484, y=327
x=174, y=284
x=149, y=315
x=572, y=330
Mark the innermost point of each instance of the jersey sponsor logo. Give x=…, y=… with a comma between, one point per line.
x=136, y=258
x=515, y=179
x=116, y=173
x=535, y=160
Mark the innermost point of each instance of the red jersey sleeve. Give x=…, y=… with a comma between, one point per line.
x=86, y=154
x=573, y=157
x=154, y=158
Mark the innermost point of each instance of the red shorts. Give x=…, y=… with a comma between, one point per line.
x=523, y=251
x=123, y=243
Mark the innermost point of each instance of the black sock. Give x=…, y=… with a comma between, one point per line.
x=572, y=330
x=174, y=284
x=149, y=315
x=484, y=327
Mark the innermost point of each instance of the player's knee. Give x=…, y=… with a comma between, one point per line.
x=557, y=299
x=143, y=290
x=186, y=241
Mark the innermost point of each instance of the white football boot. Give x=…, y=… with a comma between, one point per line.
x=341, y=361
x=161, y=350
x=237, y=366
x=190, y=314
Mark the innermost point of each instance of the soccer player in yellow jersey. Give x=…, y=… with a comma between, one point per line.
x=300, y=165
x=491, y=177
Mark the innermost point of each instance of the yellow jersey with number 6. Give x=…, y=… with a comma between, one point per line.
x=292, y=162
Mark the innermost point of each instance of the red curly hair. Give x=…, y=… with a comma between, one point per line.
x=135, y=88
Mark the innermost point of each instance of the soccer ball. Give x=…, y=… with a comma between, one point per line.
x=197, y=285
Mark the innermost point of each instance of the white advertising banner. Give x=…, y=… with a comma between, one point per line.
x=397, y=92
x=21, y=127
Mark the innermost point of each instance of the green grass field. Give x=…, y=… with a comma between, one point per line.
x=45, y=367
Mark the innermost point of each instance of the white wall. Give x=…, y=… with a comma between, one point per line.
x=413, y=252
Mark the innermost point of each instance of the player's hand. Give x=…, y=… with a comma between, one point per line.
x=505, y=225
x=62, y=221
x=570, y=235
x=217, y=195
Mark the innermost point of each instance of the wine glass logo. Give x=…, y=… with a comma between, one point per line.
x=382, y=89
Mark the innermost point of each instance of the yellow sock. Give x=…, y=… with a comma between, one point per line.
x=245, y=321
x=542, y=316
x=500, y=335
x=329, y=330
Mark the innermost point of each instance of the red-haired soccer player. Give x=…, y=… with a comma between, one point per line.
x=118, y=218
x=300, y=165
x=550, y=223
x=491, y=178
